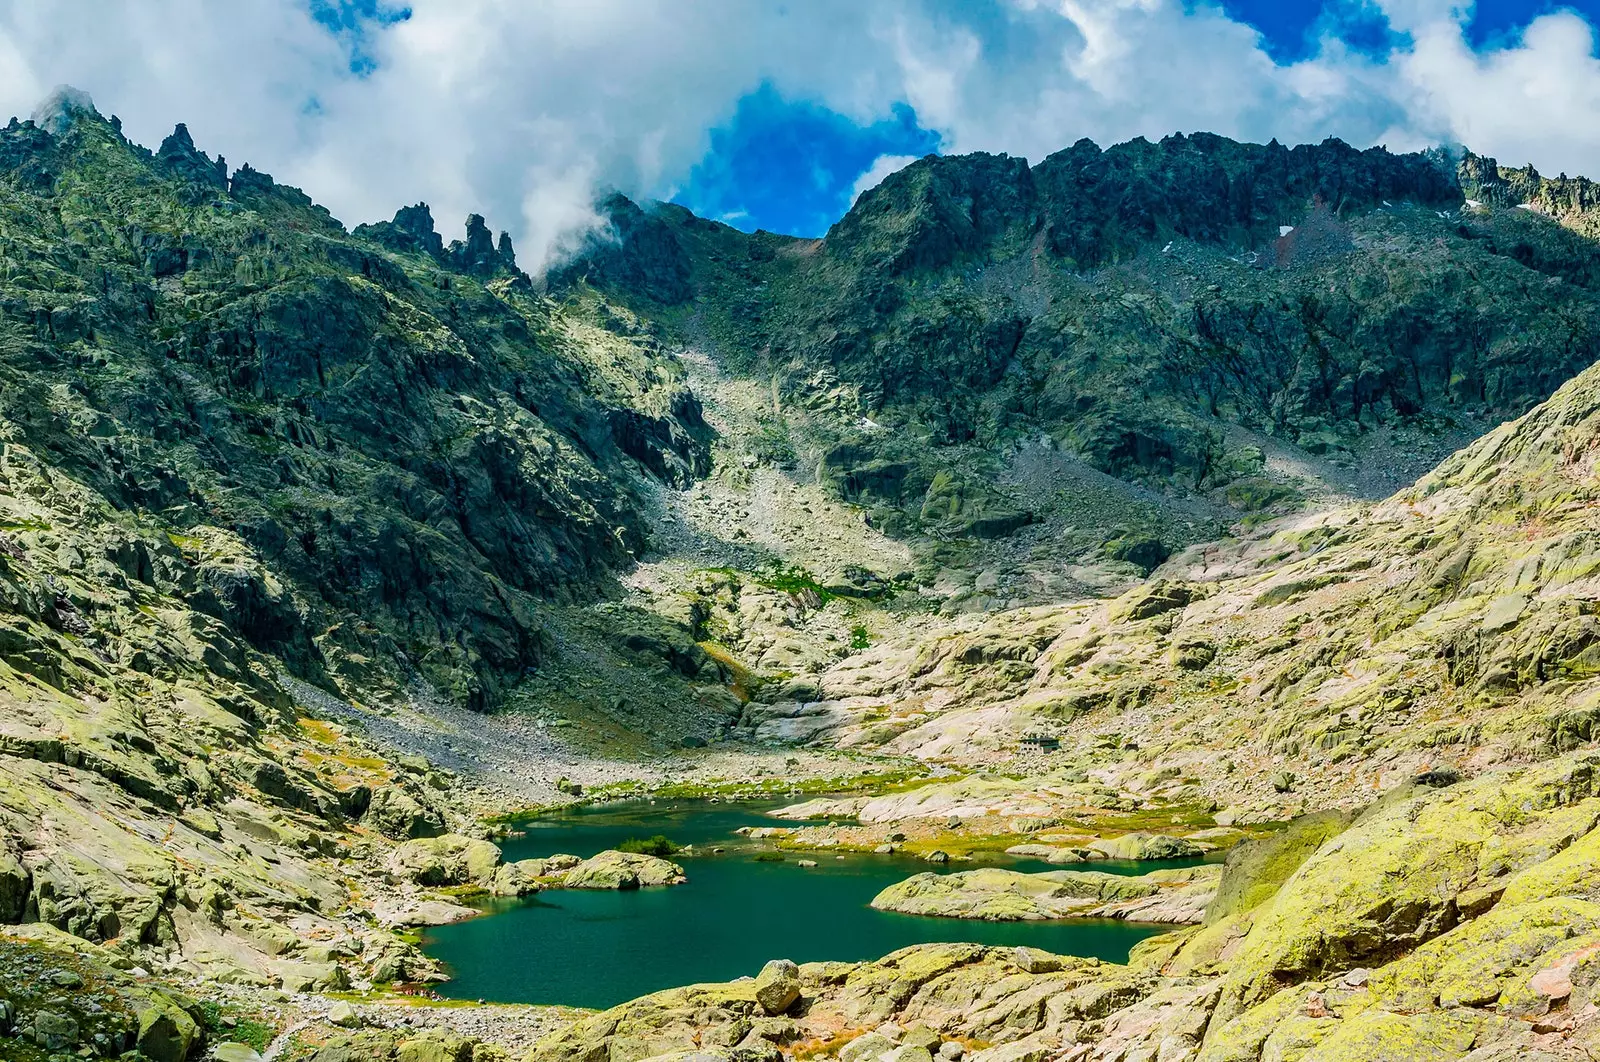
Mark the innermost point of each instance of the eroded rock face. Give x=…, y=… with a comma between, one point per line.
x=422, y=530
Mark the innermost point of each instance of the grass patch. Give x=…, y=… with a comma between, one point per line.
x=794, y=580
x=860, y=637
x=658, y=846
x=242, y=1030
x=769, y=857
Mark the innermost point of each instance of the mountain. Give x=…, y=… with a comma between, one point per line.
x=1149, y=501
x=1170, y=314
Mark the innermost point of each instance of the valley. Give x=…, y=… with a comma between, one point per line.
x=1141, y=605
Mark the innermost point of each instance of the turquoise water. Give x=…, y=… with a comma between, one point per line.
x=596, y=949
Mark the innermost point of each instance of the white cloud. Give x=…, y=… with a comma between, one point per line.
x=520, y=111
x=1526, y=101
x=881, y=167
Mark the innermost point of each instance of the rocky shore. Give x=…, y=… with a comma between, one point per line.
x=993, y=894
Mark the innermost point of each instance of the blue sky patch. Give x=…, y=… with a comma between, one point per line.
x=352, y=20
x=1496, y=22
x=1292, y=30
x=791, y=166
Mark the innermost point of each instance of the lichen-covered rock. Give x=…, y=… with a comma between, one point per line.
x=1383, y=1036
x=1146, y=846
x=165, y=1033
x=396, y=813
x=1051, y=853
x=1256, y=869
x=447, y=860
x=230, y=1051
x=999, y=895
x=623, y=870
x=866, y=1048
x=778, y=986
x=1415, y=875
x=518, y=879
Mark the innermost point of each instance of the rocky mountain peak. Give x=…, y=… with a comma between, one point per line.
x=180, y=155
x=477, y=255
x=55, y=113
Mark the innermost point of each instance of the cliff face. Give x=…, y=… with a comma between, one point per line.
x=1139, y=307
x=414, y=443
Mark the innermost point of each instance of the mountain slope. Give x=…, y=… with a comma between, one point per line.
x=1312, y=663
x=1426, y=663
x=415, y=440
x=1137, y=310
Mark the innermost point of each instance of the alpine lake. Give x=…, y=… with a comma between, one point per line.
x=740, y=907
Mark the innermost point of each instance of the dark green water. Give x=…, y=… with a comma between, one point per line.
x=596, y=949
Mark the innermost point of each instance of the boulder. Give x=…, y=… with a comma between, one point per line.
x=1032, y=960
x=1146, y=846
x=55, y=1032
x=165, y=1033
x=623, y=870
x=421, y=913
x=866, y=1048
x=435, y=1045
x=754, y=1049
x=1049, y=853
x=518, y=879
x=446, y=860
x=909, y=1053
x=396, y=813
x=778, y=986
x=343, y=1015
x=235, y=1052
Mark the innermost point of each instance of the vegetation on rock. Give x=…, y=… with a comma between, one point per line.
x=1040, y=505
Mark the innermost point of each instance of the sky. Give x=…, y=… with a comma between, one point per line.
x=776, y=114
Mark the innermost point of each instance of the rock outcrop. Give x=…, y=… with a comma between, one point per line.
x=997, y=895
x=622, y=870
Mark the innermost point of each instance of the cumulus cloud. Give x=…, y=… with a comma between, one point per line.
x=1525, y=101
x=522, y=111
